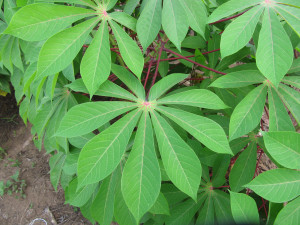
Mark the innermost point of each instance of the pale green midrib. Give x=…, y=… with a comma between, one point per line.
x=250, y=107
x=112, y=142
x=95, y=117
x=193, y=128
x=273, y=184
x=171, y=147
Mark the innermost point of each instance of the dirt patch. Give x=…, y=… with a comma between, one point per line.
x=36, y=199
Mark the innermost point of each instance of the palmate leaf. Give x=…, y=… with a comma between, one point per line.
x=129, y=50
x=222, y=207
x=141, y=178
x=149, y=23
x=292, y=80
x=243, y=208
x=174, y=21
x=96, y=62
x=274, y=55
x=101, y=155
x=197, y=97
x=59, y=51
x=124, y=19
x=203, y=129
x=284, y=147
x=37, y=22
x=239, y=79
x=290, y=214
x=181, y=163
x=207, y=212
x=278, y=185
x=87, y=117
x=243, y=169
x=247, y=113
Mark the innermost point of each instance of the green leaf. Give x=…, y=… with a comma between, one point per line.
x=60, y=50
x=290, y=15
x=290, y=214
x=141, y=175
x=184, y=212
x=222, y=207
x=197, y=97
x=38, y=22
x=238, y=33
x=279, y=119
x=109, y=4
x=291, y=99
x=174, y=21
x=197, y=15
x=247, y=113
x=129, y=50
x=231, y=7
x=89, y=116
x=284, y=147
x=130, y=6
x=274, y=209
x=56, y=163
x=278, y=185
x=177, y=157
x=149, y=22
x=295, y=66
x=292, y=80
x=244, y=168
x=239, y=79
x=243, y=208
x=129, y=80
x=203, y=129
x=102, y=208
x=124, y=19
x=274, y=55
x=207, y=212
x=80, y=197
x=161, y=206
x=96, y=62
x=172, y=194
x=101, y=155
x=162, y=86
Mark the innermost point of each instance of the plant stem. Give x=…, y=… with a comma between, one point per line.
x=148, y=72
x=198, y=64
x=229, y=18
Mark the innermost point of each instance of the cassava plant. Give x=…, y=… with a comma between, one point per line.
x=159, y=111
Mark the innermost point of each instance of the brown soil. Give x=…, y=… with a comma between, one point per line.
x=41, y=201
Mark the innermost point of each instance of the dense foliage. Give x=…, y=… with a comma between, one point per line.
x=158, y=111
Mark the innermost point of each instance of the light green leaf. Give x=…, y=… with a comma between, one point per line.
x=129, y=80
x=96, y=62
x=244, y=168
x=80, y=197
x=231, y=7
x=60, y=50
x=238, y=33
x=102, y=209
x=101, y=155
x=292, y=80
x=295, y=66
x=184, y=212
x=284, y=147
x=278, y=185
x=141, y=175
x=243, y=208
x=291, y=98
x=177, y=157
x=161, y=206
x=124, y=19
x=203, y=129
x=197, y=97
x=174, y=21
x=129, y=50
x=38, y=22
x=274, y=55
x=109, y=4
x=207, y=212
x=222, y=207
x=86, y=117
x=149, y=22
x=56, y=163
x=247, y=113
x=291, y=15
x=279, y=119
x=197, y=15
x=239, y=79
x=290, y=214
x=130, y=6
x=162, y=86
